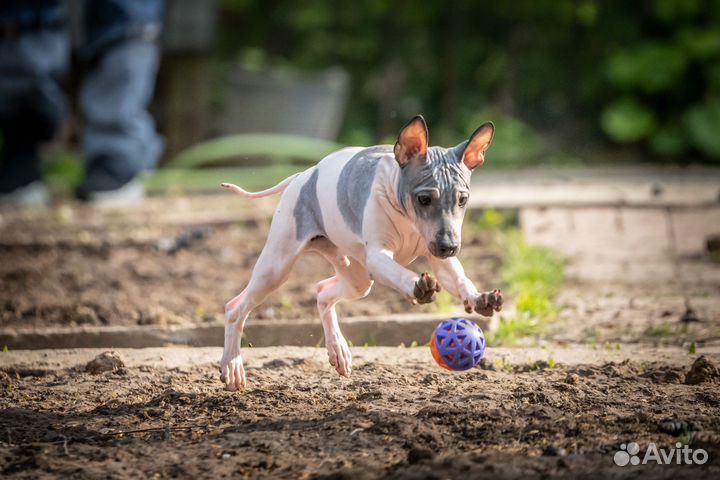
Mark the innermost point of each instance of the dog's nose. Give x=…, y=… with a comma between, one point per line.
x=446, y=249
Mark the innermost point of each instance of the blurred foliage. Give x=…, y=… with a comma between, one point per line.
x=530, y=269
x=644, y=73
x=492, y=219
x=62, y=170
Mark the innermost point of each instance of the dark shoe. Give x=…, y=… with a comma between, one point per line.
x=20, y=181
x=105, y=185
x=19, y=167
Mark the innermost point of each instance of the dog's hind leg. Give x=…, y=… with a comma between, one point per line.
x=351, y=282
x=270, y=272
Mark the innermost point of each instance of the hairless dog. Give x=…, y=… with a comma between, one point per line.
x=369, y=212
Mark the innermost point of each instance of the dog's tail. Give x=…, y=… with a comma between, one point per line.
x=264, y=193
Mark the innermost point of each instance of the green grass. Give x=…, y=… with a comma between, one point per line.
x=533, y=275
x=532, y=270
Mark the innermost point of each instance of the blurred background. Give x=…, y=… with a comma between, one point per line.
x=567, y=82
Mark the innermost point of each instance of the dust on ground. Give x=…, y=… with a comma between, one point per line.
x=397, y=416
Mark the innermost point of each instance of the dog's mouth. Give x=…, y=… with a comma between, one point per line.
x=443, y=251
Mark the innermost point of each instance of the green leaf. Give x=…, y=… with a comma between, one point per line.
x=692, y=350
x=669, y=140
x=650, y=67
x=700, y=43
x=627, y=120
x=703, y=124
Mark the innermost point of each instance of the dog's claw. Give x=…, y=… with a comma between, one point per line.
x=426, y=288
x=488, y=302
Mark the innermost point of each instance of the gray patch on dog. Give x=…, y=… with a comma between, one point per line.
x=308, y=217
x=442, y=169
x=355, y=182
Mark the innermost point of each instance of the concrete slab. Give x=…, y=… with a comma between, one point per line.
x=389, y=330
x=643, y=186
x=629, y=244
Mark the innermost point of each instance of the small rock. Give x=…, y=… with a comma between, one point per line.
x=417, y=454
x=541, y=364
x=225, y=456
x=656, y=189
x=105, y=362
x=572, y=379
x=678, y=427
x=690, y=316
x=553, y=450
x=277, y=363
x=486, y=364
x=702, y=370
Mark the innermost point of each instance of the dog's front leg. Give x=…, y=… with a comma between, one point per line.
x=451, y=275
x=416, y=288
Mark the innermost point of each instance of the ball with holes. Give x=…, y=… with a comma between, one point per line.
x=457, y=344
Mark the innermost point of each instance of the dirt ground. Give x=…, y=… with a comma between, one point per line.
x=397, y=416
x=74, y=266
x=178, y=260
x=65, y=267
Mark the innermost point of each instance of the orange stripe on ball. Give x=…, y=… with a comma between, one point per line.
x=436, y=354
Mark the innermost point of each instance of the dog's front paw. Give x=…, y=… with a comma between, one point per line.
x=486, y=303
x=426, y=289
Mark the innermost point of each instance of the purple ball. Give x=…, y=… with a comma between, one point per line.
x=457, y=344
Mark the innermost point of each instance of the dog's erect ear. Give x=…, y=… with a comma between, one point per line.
x=412, y=142
x=474, y=154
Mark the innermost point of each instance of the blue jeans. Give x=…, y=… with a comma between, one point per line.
x=120, y=56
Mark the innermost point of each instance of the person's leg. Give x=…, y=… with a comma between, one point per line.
x=34, y=50
x=121, y=53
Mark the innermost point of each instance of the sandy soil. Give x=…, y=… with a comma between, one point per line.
x=398, y=416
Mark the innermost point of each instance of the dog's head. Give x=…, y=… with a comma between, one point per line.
x=435, y=183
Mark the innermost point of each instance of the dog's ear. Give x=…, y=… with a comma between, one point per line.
x=474, y=152
x=412, y=142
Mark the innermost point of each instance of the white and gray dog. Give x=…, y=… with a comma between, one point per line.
x=369, y=212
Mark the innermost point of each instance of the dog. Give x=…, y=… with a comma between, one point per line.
x=369, y=212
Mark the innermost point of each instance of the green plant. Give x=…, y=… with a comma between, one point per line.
x=551, y=362
x=533, y=274
x=530, y=269
x=510, y=329
x=492, y=219
x=692, y=349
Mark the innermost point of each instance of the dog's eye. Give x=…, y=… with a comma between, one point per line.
x=463, y=201
x=424, y=200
